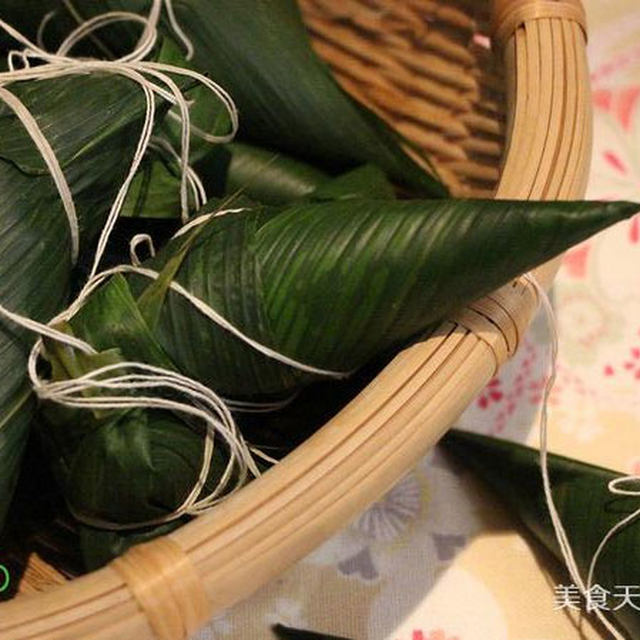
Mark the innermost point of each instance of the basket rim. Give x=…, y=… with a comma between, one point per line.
x=258, y=532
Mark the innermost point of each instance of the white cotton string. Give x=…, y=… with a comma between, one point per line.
x=137, y=70
x=118, y=203
x=49, y=156
x=88, y=27
x=561, y=534
x=30, y=48
x=117, y=382
x=177, y=29
x=203, y=308
x=615, y=489
x=205, y=217
x=143, y=48
x=46, y=330
x=265, y=456
x=203, y=404
x=98, y=22
x=80, y=20
x=135, y=242
x=195, y=131
x=21, y=55
x=42, y=26
x=153, y=19
x=216, y=89
x=185, y=138
x=245, y=406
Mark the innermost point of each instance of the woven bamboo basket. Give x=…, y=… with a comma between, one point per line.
x=498, y=95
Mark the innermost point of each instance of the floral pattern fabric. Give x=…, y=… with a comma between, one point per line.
x=438, y=558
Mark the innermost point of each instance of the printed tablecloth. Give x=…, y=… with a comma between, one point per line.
x=438, y=558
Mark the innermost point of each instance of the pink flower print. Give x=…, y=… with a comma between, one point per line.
x=634, y=230
x=616, y=171
x=615, y=162
x=625, y=105
x=575, y=261
x=614, y=53
x=536, y=390
x=632, y=363
x=438, y=634
x=509, y=395
x=629, y=366
x=621, y=64
x=568, y=381
x=602, y=99
x=520, y=385
x=492, y=394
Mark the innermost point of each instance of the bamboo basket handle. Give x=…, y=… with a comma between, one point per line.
x=549, y=138
x=509, y=15
x=166, y=588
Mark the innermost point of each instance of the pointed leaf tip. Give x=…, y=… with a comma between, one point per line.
x=587, y=510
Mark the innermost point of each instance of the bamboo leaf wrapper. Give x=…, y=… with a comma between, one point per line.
x=92, y=137
x=272, y=273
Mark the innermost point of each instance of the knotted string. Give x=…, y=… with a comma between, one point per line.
x=613, y=486
x=115, y=382
x=132, y=66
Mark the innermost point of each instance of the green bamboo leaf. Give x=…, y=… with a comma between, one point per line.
x=111, y=305
x=151, y=456
x=34, y=232
x=26, y=210
x=400, y=266
x=226, y=171
x=273, y=178
x=261, y=174
x=290, y=103
x=586, y=507
x=206, y=113
x=155, y=191
x=368, y=182
x=273, y=273
x=73, y=128
x=18, y=411
x=136, y=467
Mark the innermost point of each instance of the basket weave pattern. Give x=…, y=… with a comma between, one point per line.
x=425, y=67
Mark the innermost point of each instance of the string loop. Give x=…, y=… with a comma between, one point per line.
x=110, y=387
x=614, y=486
